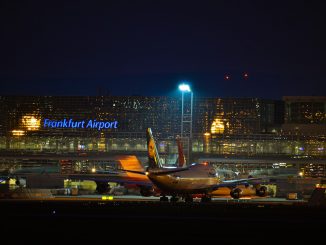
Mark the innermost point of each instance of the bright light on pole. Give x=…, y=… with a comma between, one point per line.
x=184, y=87
x=186, y=117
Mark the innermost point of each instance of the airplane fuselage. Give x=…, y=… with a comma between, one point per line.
x=195, y=180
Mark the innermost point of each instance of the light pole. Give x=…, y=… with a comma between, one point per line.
x=186, y=118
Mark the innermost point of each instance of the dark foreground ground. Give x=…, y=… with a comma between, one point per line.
x=46, y=222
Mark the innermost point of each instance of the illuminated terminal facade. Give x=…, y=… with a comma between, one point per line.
x=222, y=128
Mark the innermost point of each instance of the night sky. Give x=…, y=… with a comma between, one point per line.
x=148, y=47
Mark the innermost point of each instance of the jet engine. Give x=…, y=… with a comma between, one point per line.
x=241, y=191
x=236, y=193
x=261, y=191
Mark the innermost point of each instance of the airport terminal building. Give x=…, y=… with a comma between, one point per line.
x=247, y=133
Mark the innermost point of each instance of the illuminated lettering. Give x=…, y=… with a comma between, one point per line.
x=101, y=125
x=115, y=124
x=46, y=123
x=89, y=124
x=65, y=123
x=74, y=124
x=95, y=124
x=53, y=124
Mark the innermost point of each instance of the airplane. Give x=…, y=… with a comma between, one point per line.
x=183, y=182
x=52, y=177
x=145, y=186
x=205, y=179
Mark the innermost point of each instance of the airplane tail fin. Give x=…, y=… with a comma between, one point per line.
x=181, y=161
x=153, y=157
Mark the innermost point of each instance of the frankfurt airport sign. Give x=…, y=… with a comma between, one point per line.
x=70, y=123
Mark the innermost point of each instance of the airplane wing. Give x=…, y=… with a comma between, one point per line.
x=133, y=171
x=107, y=177
x=142, y=180
x=159, y=171
x=234, y=182
x=165, y=171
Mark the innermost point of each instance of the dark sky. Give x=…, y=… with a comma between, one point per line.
x=148, y=47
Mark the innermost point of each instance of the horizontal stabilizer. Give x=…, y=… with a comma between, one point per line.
x=134, y=171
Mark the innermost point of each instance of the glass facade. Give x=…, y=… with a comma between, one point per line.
x=305, y=110
x=305, y=115
x=234, y=116
x=247, y=126
x=228, y=127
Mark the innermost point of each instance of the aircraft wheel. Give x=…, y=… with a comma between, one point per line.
x=206, y=199
x=102, y=187
x=189, y=199
x=174, y=199
x=164, y=199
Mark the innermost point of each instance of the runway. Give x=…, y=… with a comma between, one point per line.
x=134, y=219
x=222, y=199
x=136, y=199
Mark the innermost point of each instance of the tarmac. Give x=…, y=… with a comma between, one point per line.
x=66, y=220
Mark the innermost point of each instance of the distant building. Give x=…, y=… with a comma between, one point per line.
x=237, y=116
x=222, y=127
x=305, y=115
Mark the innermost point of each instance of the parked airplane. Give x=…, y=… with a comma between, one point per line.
x=183, y=182
x=53, y=177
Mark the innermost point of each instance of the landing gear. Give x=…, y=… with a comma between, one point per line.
x=164, y=199
x=102, y=187
x=189, y=199
x=206, y=199
x=174, y=199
